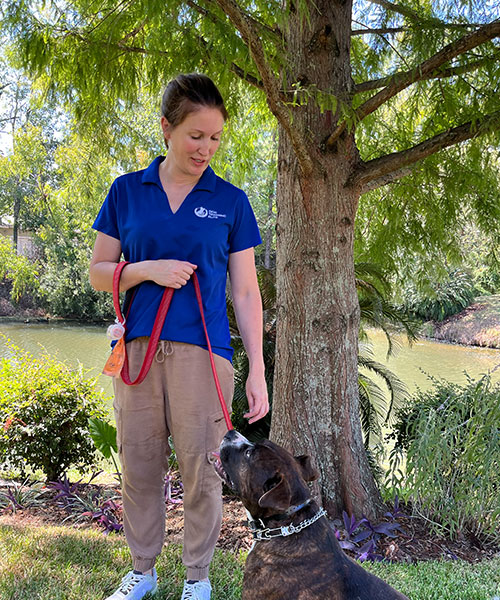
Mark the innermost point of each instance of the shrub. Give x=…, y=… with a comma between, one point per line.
x=18, y=270
x=44, y=409
x=449, y=298
x=487, y=280
x=451, y=438
x=66, y=288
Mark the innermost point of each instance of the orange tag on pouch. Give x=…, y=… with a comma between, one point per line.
x=114, y=364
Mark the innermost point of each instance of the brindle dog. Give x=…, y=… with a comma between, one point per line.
x=307, y=563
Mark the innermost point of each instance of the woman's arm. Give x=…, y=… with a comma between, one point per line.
x=248, y=310
x=106, y=255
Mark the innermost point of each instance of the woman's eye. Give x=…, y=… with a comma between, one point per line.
x=194, y=137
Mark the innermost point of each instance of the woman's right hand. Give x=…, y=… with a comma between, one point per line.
x=170, y=273
x=107, y=252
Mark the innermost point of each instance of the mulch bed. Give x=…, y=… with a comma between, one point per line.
x=416, y=543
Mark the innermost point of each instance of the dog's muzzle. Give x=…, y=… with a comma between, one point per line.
x=219, y=469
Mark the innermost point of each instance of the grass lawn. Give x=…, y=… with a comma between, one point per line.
x=63, y=563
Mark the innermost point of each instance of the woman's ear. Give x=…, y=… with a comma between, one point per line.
x=166, y=128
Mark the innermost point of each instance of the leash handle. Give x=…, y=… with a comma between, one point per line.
x=156, y=332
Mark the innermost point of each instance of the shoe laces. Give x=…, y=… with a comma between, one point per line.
x=129, y=581
x=189, y=592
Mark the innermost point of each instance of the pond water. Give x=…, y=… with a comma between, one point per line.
x=415, y=364
x=88, y=345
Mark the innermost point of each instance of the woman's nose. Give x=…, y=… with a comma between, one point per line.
x=204, y=147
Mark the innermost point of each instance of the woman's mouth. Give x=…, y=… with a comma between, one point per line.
x=198, y=161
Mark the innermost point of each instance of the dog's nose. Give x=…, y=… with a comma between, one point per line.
x=235, y=438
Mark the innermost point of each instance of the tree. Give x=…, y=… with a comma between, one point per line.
x=28, y=143
x=356, y=109
x=23, y=174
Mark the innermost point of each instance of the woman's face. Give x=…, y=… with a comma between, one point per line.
x=192, y=143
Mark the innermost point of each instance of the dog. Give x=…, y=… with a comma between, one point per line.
x=296, y=555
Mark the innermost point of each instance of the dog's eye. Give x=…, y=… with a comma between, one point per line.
x=248, y=452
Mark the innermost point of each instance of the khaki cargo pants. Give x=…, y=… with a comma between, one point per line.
x=177, y=398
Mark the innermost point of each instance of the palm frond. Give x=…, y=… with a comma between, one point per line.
x=398, y=391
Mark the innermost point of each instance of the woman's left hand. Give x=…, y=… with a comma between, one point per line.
x=258, y=402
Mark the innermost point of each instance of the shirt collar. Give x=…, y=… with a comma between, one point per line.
x=206, y=182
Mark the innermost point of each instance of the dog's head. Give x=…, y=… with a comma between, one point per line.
x=266, y=477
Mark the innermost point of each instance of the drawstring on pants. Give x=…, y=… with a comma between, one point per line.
x=165, y=348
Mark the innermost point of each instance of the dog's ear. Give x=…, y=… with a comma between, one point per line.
x=279, y=496
x=309, y=473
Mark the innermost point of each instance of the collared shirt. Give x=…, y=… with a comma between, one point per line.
x=214, y=220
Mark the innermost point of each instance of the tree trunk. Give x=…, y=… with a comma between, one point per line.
x=315, y=400
x=15, y=225
x=268, y=236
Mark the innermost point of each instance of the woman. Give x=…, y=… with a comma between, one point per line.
x=169, y=220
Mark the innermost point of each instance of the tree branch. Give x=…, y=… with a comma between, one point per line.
x=120, y=7
x=248, y=77
x=386, y=179
x=452, y=50
x=203, y=11
x=379, y=31
x=439, y=74
x=402, y=10
x=425, y=25
x=388, y=168
x=134, y=31
x=269, y=81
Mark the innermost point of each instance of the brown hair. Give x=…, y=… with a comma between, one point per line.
x=186, y=93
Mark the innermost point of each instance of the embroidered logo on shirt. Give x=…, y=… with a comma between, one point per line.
x=202, y=212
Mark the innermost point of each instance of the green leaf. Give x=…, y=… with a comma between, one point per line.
x=103, y=435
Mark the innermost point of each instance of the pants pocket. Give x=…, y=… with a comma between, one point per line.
x=119, y=428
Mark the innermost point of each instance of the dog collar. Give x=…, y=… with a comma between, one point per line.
x=261, y=532
x=291, y=510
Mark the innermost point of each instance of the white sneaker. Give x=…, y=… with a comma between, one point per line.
x=199, y=590
x=135, y=587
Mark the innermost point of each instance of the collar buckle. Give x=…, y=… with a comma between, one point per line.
x=256, y=525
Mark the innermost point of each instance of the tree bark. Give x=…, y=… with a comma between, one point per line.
x=15, y=225
x=268, y=236
x=315, y=400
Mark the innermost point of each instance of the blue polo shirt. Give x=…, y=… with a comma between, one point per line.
x=214, y=220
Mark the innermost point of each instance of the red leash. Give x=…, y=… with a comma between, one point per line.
x=122, y=364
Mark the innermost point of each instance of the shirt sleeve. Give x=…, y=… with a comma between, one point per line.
x=107, y=219
x=245, y=231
